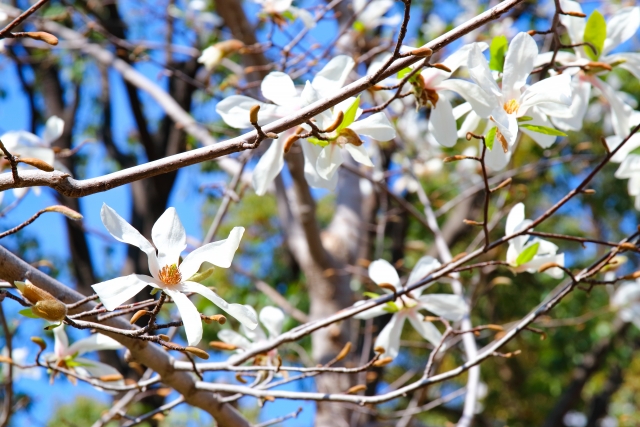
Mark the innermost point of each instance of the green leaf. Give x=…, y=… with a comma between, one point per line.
x=543, y=129
x=288, y=15
x=74, y=363
x=349, y=115
x=370, y=294
x=404, y=72
x=525, y=119
x=199, y=277
x=595, y=32
x=316, y=141
x=490, y=138
x=359, y=26
x=498, y=50
x=155, y=291
x=391, y=307
x=528, y=254
x=28, y=313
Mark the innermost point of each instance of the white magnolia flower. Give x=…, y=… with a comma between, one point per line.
x=526, y=254
x=68, y=356
x=279, y=88
x=25, y=144
x=19, y=356
x=167, y=273
x=272, y=319
x=629, y=167
x=280, y=7
x=326, y=155
x=626, y=300
x=408, y=306
x=371, y=13
x=514, y=100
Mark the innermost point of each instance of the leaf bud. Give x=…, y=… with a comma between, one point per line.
x=379, y=349
x=36, y=163
x=68, y=212
x=337, y=122
x=111, y=378
x=272, y=135
x=442, y=67
x=356, y=388
x=138, y=314
x=43, y=36
x=345, y=350
x=164, y=337
x=197, y=352
x=219, y=345
x=575, y=14
x=423, y=51
x=383, y=362
x=253, y=114
x=40, y=342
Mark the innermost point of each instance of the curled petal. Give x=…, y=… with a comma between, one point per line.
x=449, y=306
x=359, y=154
x=518, y=64
x=279, y=88
x=426, y=329
x=169, y=236
x=376, y=126
x=269, y=165
x=94, y=342
x=272, y=319
x=53, y=130
x=117, y=291
x=380, y=271
x=218, y=253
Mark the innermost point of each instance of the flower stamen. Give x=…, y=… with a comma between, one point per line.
x=511, y=106
x=170, y=275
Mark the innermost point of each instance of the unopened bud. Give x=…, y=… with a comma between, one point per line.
x=383, y=362
x=337, y=122
x=36, y=163
x=459, y=256
x=111, y=378
x=288, y=143
x=272, y=135
x=575, y=14
x=532, y=32
x=423, y=51
x=5, y=359
x=502, y=184
x=379, y=349
x=356, y=388
x=40, y=342
x=547, y=265
x=345, y=350
x=253, y=114
x=138, y=314
x=596, y=67
x=240, y=379
x=219, y=345
x=628, y=246
x=164, y=337
x=388, y=286
x=494, y=327
x=348, y=136
x=632, y=276
x=270, y=398
x=51, y=310
x=229, y=46
x=454, y=158
x=68, y=212
x=472, y=222
x=43, y=36
x=197, y=352
x=442, y=67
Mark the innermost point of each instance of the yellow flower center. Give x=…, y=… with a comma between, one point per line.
x=170, y=275
x=511, y=106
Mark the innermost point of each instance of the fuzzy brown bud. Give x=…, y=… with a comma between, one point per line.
x=36, y=163
x=111, y=378
x=383, y=362
x=337, y=122
x=454, y=158
x=348, y=136
x=423, y=51
x=253, y=114
x=197, y=352
x=40, y=342
x=219, y=345
x=45, y=305
x=43, y=36
x=343, y=353
x=68, y=212
x=164, y=337
x=379, y=349
x=356, y=388
x=575, y=14
x=138, y=314
x=442, y=67
x=387, y=286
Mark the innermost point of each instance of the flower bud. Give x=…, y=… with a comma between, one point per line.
x=356, y=388
x=219, y=345
x=164, y=337
x=348, y=136
x=111, y=378
x=51, y=310
x=40, y=342
x=337, y=122
x=138, y=314
x=68, y=212
x=288, y=143
x=36, y=163
x=423, y=51
x=253, y=114
x=343, y=353
x=442, y=67
x=197, y=352
x=575, y=14
x=43, y=36
x=383, y=362
x=379, y=349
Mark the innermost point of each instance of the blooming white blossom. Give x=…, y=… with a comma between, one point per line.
x=279, y=88
x=408, y=306
x=167, y=273
x=68, y=356
x=526, y=254
x=626, y=299
x=272, y=320
x=513, y=103
x=281, y=8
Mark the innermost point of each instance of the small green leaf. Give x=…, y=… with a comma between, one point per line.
x=50, y=327
x=349, y=115
x=199, y=277
x=543, y=129
x=391, y=307
x=288, y=15
x=525, y=119
x=371, y=295
x=595, y=32
x=528, y=254
x=490, y=138
x=316, y=141
x=28, y=313
x=498, y=51
x=404, y=72
x=74, y=363
x=155, y=291
x=359, y=26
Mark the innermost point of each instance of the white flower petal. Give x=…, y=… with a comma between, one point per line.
x=621, y=27
x=60, y=342
x=380, y=271
x=359, y=154
x=518, y=64
x=329, y=161
x=574, y=25
x=514, y=219
x=189, y=314
x=621, y=113
x=170, y=238
x=94, y=369
x=376, y=126
x=426, y=329
x=378, y=310
x=543, y=140
x=461, y=56
x=232, y=337
x=449, y=306
x=311, y=154
x=272, y=319
x=630, y=61
x=94, y=342
x=18, y=138
x=123, y=231
x=629, y=167
x=442, y=124
x=481, y=74
x=269, y=165
x=556, y=89
x=389, y=337
x=481, y=103
x=497, y=159
x=218, y=253
x=570, y=118
x=53, y=130
x=332, y=77
x=279, y=88
x=238, y=311
x=117, y=291
x=235, y=109
x=614, y=140
x=422, y=269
